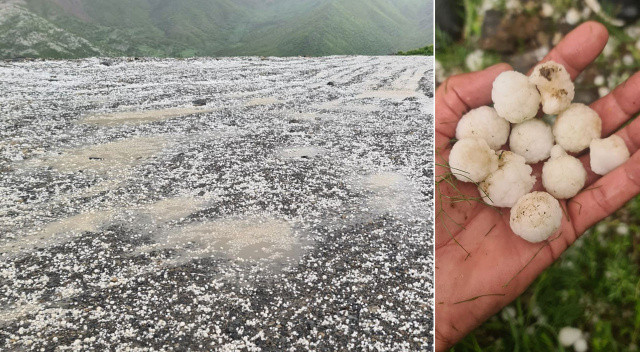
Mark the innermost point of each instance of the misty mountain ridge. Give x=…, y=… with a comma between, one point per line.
x=81, y=28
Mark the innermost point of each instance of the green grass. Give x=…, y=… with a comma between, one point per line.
x=425, y=51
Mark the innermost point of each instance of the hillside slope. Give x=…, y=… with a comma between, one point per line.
x=221, y=27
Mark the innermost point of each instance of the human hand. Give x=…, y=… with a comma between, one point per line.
x=481, y=265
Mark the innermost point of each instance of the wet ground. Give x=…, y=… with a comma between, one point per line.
x=235, y=204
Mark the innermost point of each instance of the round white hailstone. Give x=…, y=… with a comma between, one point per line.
x=474, y=60
x=532, y=139
x=602, y=91
x=607, y=154
x=622, y=229
x=567, y=336
x=512, y=180
x=576, y=127
x=580, y=345
x=598, y=80
x=628, y=60
x=514, y=97
x=536, y=216
x=484, y=123
x=555, y=86
x=573, y=16
x=471, y=160
x=563, y=176
x=547, y=10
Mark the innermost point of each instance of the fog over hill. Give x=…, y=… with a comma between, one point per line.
x=82, y=28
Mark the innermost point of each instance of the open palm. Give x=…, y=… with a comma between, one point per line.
x=481, y=265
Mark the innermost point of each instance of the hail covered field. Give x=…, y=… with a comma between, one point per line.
x=232, y=204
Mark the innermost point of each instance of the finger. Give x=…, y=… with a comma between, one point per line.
x=606, y=195
x=580, y=47
x=461, y=93
x=618, y=107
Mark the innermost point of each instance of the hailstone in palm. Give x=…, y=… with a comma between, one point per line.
x=576, y=127
x=514, y=97
x=536, y=216
x=471, y=160
x=563, y=176
x=555, y=87
x=484, y=123
x=532, y=139
x=607, y=154
x=512, y=180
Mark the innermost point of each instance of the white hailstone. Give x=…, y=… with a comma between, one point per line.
x=607, y=154
x=547, y=10
x=602, y=91
x=474, y=60
x=628, y=60
x=598, y=80
x=471, y=160
x=536, y=216
x=573, y=16
x=580, y=345
x=622, y=229
x=567, y=336
x=532, y=139
x=512, y=180
x=576, y=127
x=563, y=176
x=484, y=123
x=555, y=86
x=514, y=97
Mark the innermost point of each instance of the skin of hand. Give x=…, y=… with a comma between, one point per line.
x=481, y=265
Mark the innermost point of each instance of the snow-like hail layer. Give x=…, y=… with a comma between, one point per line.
x=275, y=214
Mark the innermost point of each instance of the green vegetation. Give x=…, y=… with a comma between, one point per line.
x=426, y=51
x=226, y=27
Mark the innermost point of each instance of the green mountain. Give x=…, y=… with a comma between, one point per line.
x=81, y=28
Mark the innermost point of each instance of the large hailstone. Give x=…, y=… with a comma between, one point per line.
x=536, y=216
x=484, y=123
x=471, y=160
x=532, y=139
x=576, y=127
x=512, y=180
x=514, y=97
x=563, y=176
x=607, y=154
x=555, y=86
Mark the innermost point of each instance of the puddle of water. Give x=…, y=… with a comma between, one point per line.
x=263, y=101
x=253, y=238
x=113, y=157
x=57, y=232
x=171, y=209
x=393, y=193
x=140, y=117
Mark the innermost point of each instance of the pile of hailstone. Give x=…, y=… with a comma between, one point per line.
x=504, y=177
